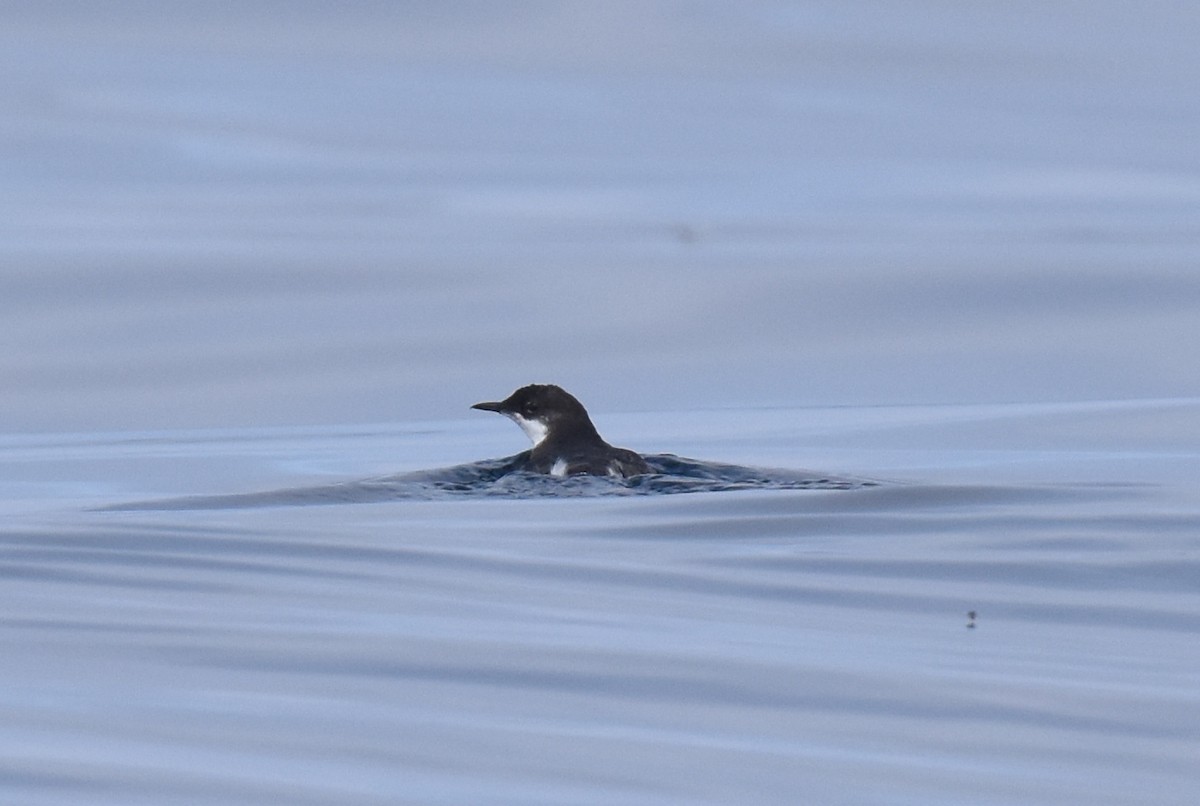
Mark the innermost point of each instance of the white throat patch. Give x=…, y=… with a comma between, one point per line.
x=533, y=429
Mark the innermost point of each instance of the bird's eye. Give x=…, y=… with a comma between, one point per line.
x=531, y=408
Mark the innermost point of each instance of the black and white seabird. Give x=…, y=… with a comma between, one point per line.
x=565, y=443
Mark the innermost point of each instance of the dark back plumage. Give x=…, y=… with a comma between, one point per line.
x=565, y=440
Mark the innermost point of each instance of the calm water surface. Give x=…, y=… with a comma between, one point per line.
x=608, y=648
x=916, y=283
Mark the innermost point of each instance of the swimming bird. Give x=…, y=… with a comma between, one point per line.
x=565, y=443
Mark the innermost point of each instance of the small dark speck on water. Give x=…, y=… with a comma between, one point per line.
x=970, y=619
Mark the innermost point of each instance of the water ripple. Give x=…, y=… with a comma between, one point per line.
x=500, y=478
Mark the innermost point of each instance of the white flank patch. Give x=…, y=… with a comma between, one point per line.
x=533, y=429
x=559, y=468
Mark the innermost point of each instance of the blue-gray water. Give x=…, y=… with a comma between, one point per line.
x=916, y=283
x=313, y=641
